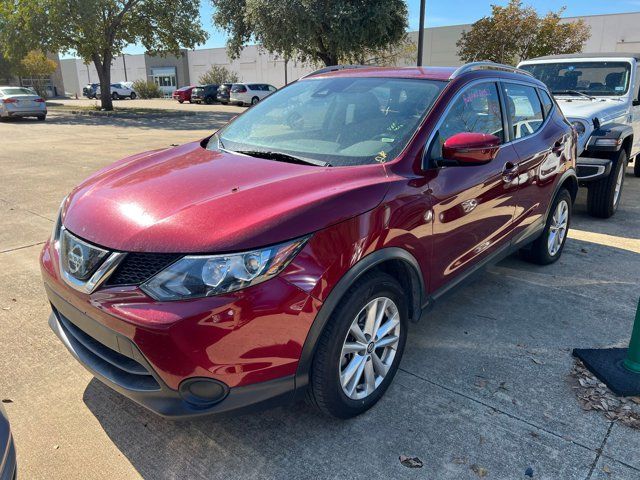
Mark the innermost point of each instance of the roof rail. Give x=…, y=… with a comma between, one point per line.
x=469, y=67
x=334, y=68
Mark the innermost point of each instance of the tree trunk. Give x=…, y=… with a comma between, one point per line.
x=104, y=74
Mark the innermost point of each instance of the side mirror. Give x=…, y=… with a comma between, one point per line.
x=471, y=148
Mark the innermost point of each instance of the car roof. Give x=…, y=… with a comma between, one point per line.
x=427, y=73
x=588, y=55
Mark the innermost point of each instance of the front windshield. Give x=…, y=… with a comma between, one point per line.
x=590, y=78
x=338, y=121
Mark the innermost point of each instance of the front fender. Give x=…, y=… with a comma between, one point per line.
x=609, y=137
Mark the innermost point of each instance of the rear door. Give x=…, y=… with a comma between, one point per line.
x=541, y=145
x=635, y=113
x=473, y=205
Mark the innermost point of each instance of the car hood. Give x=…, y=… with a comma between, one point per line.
x=585, y=109
x=192, y=200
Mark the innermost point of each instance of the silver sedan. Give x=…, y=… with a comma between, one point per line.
x=21, y=102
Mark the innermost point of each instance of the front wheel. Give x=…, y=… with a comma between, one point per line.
x=636, y=166
x=254, y=100
x=548, y=247
x=604, y=195
x=133, y=96
x=42, y=118
x=360, y=348
x=115, y=96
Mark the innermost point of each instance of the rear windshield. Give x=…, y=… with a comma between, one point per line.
x=340, y=121
x=16, y=91
x=591, y=78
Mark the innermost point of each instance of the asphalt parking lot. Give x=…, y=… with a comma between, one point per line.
x=483, y=389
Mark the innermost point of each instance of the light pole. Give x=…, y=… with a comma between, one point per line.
x=125, y=67
x=421, y=32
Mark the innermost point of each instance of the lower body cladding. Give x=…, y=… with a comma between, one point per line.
x=196, y=372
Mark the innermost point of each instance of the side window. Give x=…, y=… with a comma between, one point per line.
x=523, y=109
x=547, y=103
x=476, y=110
x=271, y=88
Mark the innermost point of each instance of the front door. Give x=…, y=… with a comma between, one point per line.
x=473, y=206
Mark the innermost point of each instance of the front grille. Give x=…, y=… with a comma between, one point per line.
x=114, y=366
x=136, y=268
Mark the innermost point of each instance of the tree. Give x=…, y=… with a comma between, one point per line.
x=218, y=75
x=399, y=53
x=98, y=30
x=514, y=33
x=317, y=31
x=39, y=68
x=7, y=69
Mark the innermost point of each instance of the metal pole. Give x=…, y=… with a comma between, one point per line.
x=286, y=81
x=632, y=362
x=421, y=32
x=125, y=67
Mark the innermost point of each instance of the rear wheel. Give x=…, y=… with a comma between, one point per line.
x=42, y=118
x=115, y=96
x=180, y=101
x=254, y=100
x=604, y=195
x=133, y=96
x=548, y=247
x=208, y=100
x=636, y=166
x=359, y=350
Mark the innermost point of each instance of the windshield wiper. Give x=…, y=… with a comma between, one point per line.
x=283, y=157
x=574, y=92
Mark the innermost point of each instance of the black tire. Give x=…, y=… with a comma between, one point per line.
x=208, y=100
x=115, y=96
x=636, y=166
x=254, y=100
x=325, y=391
x=538, y=252
x=42, y=118
x=601, y=201
x=180, y=101
x=133, y=96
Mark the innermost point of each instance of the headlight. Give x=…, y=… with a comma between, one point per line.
x=55, y=233
x=202, y=276
x=579, y=126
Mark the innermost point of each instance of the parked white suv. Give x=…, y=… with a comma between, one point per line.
x=250, y=93
x=118, y=91
x=599, y=95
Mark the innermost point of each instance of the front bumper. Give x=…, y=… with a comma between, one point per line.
x=592, y=169
x=242, y=349
x=118, y=363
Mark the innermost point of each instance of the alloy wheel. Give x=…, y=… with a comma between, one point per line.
x=558, y=228
x=369, y=348
x=618, y=188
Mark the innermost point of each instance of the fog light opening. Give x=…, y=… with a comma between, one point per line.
x=203, y=392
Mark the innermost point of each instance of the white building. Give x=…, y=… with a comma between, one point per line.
x=609, y=33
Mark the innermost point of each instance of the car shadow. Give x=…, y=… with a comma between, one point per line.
x=625, y=222
x=199, y=121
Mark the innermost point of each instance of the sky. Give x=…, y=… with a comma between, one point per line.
x=447, y=12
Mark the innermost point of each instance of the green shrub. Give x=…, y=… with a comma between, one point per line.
x=147, y=89
x=218, y=75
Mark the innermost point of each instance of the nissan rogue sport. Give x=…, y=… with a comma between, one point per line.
x=286, y=255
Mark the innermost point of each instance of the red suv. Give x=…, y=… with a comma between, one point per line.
x=286, y=254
